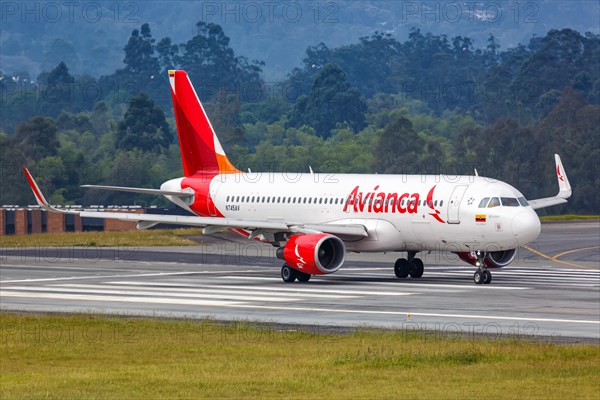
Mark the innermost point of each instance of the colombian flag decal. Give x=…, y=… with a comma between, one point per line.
x=480, y=218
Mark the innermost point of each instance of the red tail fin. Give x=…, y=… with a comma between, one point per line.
x=200, y=149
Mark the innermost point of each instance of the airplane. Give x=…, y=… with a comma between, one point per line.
x=314, y=219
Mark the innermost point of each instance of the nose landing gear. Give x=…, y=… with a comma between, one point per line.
x=482, y=275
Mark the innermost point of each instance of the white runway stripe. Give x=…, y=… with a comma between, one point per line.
x=148, y=293
x=70, y=278
x=287, y=289
x=166, y=300
x=415, y=283
x=130, y=299
x=160, y=288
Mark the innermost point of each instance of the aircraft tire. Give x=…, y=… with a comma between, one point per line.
x=416, y=268
x=487, y=277
x=302, y=277
x=401, y=268
x=288, y=274
x=478, y=277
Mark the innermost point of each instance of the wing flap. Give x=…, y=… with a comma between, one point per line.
x=187, y=220
x=339, y=229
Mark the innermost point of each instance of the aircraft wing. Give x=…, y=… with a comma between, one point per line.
x=211, y=224
x=564, y=189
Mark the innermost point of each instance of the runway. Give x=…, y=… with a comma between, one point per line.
x=553, y=291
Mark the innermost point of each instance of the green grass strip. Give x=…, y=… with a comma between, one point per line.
x=81, y=357
x=568, y=217
x=155, y=237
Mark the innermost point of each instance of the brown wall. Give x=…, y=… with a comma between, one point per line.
x=55, y=222
x=115, y=225
x=78, y=224
x=36, y=221
x=21, y=221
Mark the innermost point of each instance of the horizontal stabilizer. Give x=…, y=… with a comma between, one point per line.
x=184, y=193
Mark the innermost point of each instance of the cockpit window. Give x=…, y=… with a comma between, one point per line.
x=495, y=202
x=523, y=201
x=484, y=202
x=509, y=202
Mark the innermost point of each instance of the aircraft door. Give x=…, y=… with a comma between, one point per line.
x=454, y=204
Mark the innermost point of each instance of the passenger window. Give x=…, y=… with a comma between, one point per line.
x=523, y=201
x=494, y=202
x=509, y=202
x=441, y=203
x=483, y=203
x=227, y=199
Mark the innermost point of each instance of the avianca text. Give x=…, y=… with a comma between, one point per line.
x=381, y=202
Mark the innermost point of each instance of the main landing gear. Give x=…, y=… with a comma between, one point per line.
x=289, y=275
x=482, y=275
x=413, y=266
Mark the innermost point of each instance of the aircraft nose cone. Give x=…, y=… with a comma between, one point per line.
x=526, y=227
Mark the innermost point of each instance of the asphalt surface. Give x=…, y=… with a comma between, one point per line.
x=551, y=291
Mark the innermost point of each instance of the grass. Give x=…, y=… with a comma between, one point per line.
x=568, y=217
x=155, y=237
x=77, y=357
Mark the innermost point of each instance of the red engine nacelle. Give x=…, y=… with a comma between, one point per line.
x=492, y=259
x=314, y=254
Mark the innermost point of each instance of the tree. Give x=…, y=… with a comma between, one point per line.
x=209, y=59
x=37, y=137
x=143, y=127
x=224, y=113
x=331, y=100
x=167, y=54
x=398, y=148
x=139, y=53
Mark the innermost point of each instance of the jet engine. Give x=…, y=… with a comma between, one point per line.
x=492, y=259
x=314, y=254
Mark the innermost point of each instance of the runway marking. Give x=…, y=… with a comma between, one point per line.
x=123, y=276
x=166, y=300
x=425, y=314
x=552, y=259
x=287, y=289
x=205, y=289
x=157, y=300
x=416, y=283
x=573, y=251
x=84, y=291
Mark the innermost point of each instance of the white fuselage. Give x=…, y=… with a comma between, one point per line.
x=395, y=209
